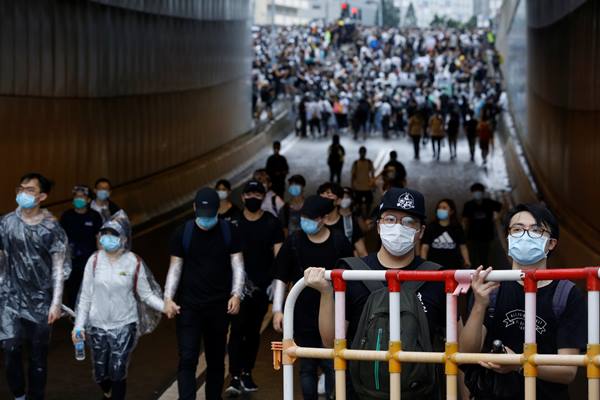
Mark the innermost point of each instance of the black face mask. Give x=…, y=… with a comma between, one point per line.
x=253, y=204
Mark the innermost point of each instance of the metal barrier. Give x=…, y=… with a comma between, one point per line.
x=456, y=282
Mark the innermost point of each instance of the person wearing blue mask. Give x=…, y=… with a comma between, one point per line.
x=497, y=312
x=82, y=225
x=119, y=302
x=315, y=244
x=34, y=263
x=102, y=202
x=444, y=239
x=290, y=212
x=204, y=287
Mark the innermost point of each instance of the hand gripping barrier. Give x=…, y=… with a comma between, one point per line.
x=456, y=282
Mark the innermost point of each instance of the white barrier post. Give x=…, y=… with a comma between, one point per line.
x=395, y=344
x=288, y=339
x=451, y=369
x=530, y=346
x=593, y=347
x=340, y=364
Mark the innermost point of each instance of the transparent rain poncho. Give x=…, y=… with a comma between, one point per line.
x=34, y=264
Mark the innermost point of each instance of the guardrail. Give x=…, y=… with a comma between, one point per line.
x=456, y=282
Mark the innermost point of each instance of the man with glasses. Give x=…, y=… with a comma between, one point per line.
x=33, y=265
x=497, y=311
x=401, y=224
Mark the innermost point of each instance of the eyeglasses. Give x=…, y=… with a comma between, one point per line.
x=534, y=231
x=407, y=221
x=29, y=190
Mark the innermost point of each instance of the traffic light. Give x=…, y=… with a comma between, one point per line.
x=354, y=12
x=345, y=10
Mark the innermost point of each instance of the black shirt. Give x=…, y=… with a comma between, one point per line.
x=508, y=325
x=206, y=274
x=399, y=168
x=356, y=231
x=444, y=245
x=277, y=166
x=481, y=218
x=258, y=238
x=233, y=215
x=297, y=254
x=431, y=295
x=81, y=230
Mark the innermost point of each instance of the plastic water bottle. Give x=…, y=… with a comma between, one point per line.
x=79, y=346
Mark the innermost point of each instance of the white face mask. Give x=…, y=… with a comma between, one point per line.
x=346, y=202
x=397, y=239
x=222, y=194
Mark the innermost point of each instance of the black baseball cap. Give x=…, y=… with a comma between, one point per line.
x=316, y=207
x=207, y=202
x=405, y=200
x=254, y=186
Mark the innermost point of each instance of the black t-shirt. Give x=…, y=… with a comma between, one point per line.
x=276, y=165
x=508, y=325
x=81, y=230
x=399, y=168
x=431, y=295
x=444, y=245
x=233, y=215
x=290, y=218
x=481, y=218
x=206, y=274
x=356, y=231
x=297, y=254
x=258, y=238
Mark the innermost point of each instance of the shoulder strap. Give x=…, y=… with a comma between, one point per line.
x=136, y=275
x=561, y=295
x=274, y=203
x=416, y=285
x=187, y=236
x=348, y=228
x=357, y=264
x=95, y=263
x=226, y=231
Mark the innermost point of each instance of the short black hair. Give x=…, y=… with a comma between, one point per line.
x=393, y=154
x=362, y=149
x=223, y=182
x=333, y=187
x=477, y=187
x=542, y=215
x=277, y=143
x=103, y=180
x=45, y=184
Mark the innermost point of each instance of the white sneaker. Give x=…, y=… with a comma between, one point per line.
x=321, y=385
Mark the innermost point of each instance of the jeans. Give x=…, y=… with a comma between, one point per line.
x=309, y=377
x=208, y=324
x=37, y=337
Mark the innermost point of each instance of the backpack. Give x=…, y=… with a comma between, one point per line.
x=371, y=379
x=188, y=230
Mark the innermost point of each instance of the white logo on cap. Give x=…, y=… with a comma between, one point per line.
x=204, y=202
x=406, y=201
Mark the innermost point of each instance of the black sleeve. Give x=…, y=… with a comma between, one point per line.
x=176, y=244
x=284, y=262
x=572, y=325
x=346, y=248
x=276, y=230
x=460, y=235
x=236, y=239
x=97, y=221
x=434, y=299
x=357, y=233
x=427, y=236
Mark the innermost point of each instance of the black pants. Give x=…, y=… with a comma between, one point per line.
x=385, y=125
x=363, y=198
x=207, y=324
x=111, y=352
x=472, y=140
x=335, y=173
x=416, y=145
x=37, y=337
x=452, y=139
x=244, y=338
x=436, y=142
x=315, y=125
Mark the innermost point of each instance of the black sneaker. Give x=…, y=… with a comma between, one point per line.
x=235, y=387
x=247, y=383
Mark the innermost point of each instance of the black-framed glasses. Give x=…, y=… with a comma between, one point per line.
x=407, y=220
x=534, y=231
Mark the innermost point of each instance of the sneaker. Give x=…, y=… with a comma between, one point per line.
x=247, y=383
x=235, y=387
x=321, y=385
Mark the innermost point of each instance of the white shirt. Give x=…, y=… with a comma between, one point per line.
x=386, y=109
x=106, y=300
x=267, y=204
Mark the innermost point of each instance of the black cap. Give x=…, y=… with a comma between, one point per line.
x=254, y=186
x=207, y=202
x=299, y=179
x=316, y=207
x=405, y=200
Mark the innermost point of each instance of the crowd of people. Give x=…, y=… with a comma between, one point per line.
x=229, y=263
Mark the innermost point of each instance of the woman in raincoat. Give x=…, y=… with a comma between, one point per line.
x=118, y=302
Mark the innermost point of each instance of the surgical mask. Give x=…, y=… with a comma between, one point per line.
x=110, y=243
x=79, y=203
x=442, y=214
x=526, y=250
x=397, y=239
x=309, y=226
x=207, y=223
x=102, y=195
x=25, y=200
x=252, y=204
x=346, y=202
x=222, y=194
x=478, y=195
x=295, y=190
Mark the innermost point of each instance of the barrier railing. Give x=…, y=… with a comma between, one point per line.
x=456, y=282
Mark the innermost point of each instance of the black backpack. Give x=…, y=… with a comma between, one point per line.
x=371, y=379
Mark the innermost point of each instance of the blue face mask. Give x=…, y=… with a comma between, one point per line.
x=102, y=195
x=110, y=243
x=309, y=226
x=25, y=200
x=207, y=223
x=442, y=214
x=295, y=190
x=79, y=203
x=526, y=250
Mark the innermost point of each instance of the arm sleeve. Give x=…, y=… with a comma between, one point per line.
x=145, y=292
x=173, y=277
x=572, y=325
x=58, y=278
x=239, y=275
x=85, y=295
